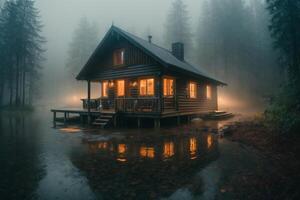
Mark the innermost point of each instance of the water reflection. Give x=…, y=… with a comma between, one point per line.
x=168, y=149
x=21, y=166
x=147, y=152
x=193, y=148
x=122, y=152
x=145, y=167
x=209, y=141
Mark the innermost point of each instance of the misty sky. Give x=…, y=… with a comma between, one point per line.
x=60, y=18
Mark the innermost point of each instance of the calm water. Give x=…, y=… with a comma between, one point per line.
x=41, y=162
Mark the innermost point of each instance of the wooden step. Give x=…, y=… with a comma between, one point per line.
x=106, y=116
x=222, y=115
x=219, y=112
x=102, y=120
x=102, y=124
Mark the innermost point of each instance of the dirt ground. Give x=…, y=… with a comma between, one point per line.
x=282, y=155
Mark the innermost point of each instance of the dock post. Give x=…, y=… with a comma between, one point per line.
x=65, y=117
x=178, y=120
x=54, y=119
x=115, y=121
x=89, y=102
x=81, y=119
x=157, y=123
x=189, y=119
x=139, y=122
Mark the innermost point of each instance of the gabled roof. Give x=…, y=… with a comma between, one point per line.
x=162, y=55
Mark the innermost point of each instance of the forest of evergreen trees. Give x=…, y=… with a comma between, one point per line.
x=21, y=52
x=231, y=42
x=251, y=45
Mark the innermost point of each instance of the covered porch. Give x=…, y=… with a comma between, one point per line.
x=133, y=95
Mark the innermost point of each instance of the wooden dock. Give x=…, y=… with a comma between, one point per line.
x=104, y=118
x=82, y=113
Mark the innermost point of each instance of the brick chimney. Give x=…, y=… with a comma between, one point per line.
x=178, y=50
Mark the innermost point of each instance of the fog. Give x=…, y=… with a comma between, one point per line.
x=60, y=18
x=229, y=39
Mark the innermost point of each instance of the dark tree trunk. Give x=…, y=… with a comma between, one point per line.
x=24, y=88
x=10, y=87
x=2, y=86
x=17, y=83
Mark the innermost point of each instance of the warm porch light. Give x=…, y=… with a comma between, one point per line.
x=133, y=84
x=111, y=83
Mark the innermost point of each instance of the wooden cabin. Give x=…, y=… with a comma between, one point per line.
x=142, y=80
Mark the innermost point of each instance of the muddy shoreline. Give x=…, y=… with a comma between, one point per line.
x=280, y=154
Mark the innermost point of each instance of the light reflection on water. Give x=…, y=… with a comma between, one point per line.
x=73, y=162
x=145, y=165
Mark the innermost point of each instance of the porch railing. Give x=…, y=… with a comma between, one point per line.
x=132, y=105
x=135, y=105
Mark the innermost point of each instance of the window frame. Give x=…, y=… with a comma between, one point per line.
x=124, y=92
x=102, y=89
x=173, y=87
x=139, y=87
x=115, y=58
x=208, y=92
x=189, y=89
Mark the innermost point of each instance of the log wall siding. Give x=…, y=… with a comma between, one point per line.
x=199, y=104
x=132, y=91
x=133, y=57
x=184, y=102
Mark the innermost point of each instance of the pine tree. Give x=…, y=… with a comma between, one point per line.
x=30, y=47
x=177, y=28
x=233, y=43
x=8, y=29
x=285, y=30
x=284, y=110
x=21, y=36
x=2, y=67
x=84, y=42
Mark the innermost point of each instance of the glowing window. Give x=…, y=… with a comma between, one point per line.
x=208, y=92
x=105, y=89
x=120, y=88
x=147, y=152
x=193, y=90
x=118, y=57
x=168, y=87
x=147, y=87
x=168, y=149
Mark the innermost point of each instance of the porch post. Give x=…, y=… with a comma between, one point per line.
x=160, y=96
x=54, y=119
x=89, y=101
